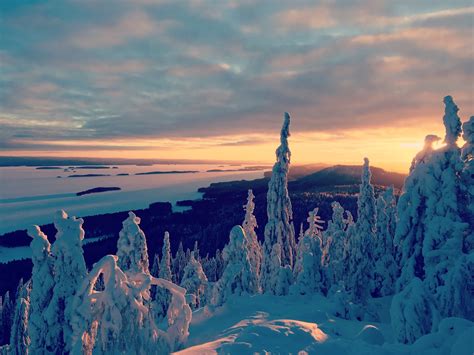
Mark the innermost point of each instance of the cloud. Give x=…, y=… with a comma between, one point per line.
x=88, y=70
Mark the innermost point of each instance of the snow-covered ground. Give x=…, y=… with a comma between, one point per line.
x=30, y=196
x=294, y=324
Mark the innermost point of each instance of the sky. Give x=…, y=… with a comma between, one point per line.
x=212, y=79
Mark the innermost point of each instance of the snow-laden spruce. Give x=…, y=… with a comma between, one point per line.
x=279, y=228
x=195, y=282
x=361, y=245
x=69, y=272
x=19, y=335
x=42, y=283
x=385, y=267
x=467, y=156
x=445, y=229
x=117, y=320
x=335, y=236
x=432, y=234
x=161, y=296
x=249, y=225
x=237, y=277
x=308, y=273
x=412, y=313
x=179, y=263
x=131, y=246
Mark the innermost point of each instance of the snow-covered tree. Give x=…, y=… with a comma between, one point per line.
x=209, y=266
x=162, y=297
x=237, y=277
x=155, y=267
x=308, y=272
x=8, y=310
x=165, y=265
x=412, y=313
x=361, y=245
x=131, y=246
x=69, y=272
x=467, y=191
x=335, y=236
x=19, y=335
x=179, y=263
x=385, y=266
x=425, y=153
x=279, y=228
x=195, y=282
x=445, y=230
x=346, y=255
x=411, y=228
x=431, y=231
x=249, y=225
x=42, y=283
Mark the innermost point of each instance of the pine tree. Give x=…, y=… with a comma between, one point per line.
x=7, y=317
x=467, y=187
x=385, y=266
x=19, y=336
x=249, y=225
x=335, y=244
x=362, y=243
x=279, y=228
x=195, y=282
x=179, y=264
x=69, y=272
x=155, y=268
x=42, y=280
x=237, y=277
x=411, y=227
x=445, y=229
x=308, y=273
x=131, y=246
x=165, y=265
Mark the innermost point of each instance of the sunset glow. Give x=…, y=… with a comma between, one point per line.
x=151, y=80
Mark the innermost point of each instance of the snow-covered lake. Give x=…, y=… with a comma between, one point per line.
x=30, y=196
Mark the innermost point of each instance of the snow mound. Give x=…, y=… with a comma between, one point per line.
x=261, y=336
x=371, y=335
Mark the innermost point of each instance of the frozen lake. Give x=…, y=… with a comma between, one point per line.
x=30, y=196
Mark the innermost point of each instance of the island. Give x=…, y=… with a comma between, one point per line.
x=169, y=172
x=48, y=168
x=87, y=175
x=96, y=190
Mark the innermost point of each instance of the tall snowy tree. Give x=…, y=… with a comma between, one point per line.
x=155, y=267
x=385, y=266
x=249, y=225
x=335, y=240
x=131, y=246
x=165, y=265
x=195, y=282
x=467, y=192
x=411, y=227
x=279, y=228
x=238, y=277
x=445, y=229
x=19, y=336
x=42, y=280
x=8, y=310
x=308, y=272
x=179, y=263
x=69, y=272
x=361, y=245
